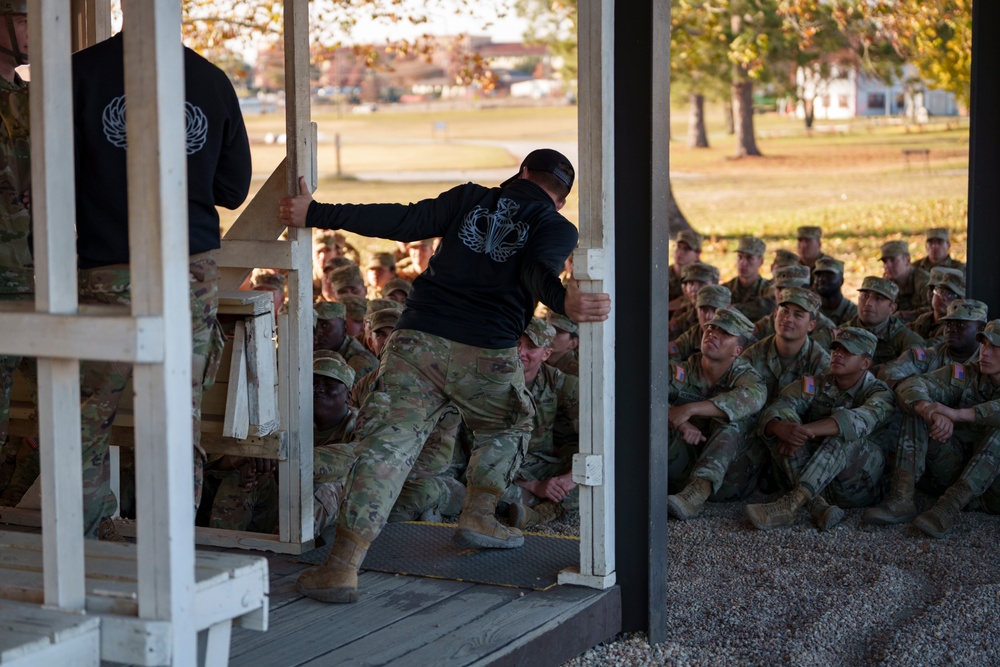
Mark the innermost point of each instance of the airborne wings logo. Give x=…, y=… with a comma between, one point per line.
x=113, y=122
x=494, y=234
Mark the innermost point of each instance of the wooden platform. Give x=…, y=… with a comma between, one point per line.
x=416, y=621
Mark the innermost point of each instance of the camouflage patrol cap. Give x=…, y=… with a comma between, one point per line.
x=751, y=245
x=829, y=264
x=13, y=7
x=355, y=306
x=953, y=279
x=716, y=296
x=375, y=305
x=785, y=258
x=792, y=276
x=329, y=238
x=967, y=310
x=732, y=322
x=269, y=279
x=801, y=297
x=345, y=276
x=883, y=286
x=700, y=272
x=691, y=237
x=396, y=284
x=334, y=263
x=895, y=249
x=387, y=317
x=540, y=332
x=330, y=310
x=332, y=365
x=810, y=232
x=382, y=259
x=561, y=322
x=421, y=242
x=991, y=333
x=856, y=340
x=939, y=233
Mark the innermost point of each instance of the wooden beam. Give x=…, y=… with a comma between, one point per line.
x=72, y=337
x=91, y=22
x=253, y=254
x=158, y=242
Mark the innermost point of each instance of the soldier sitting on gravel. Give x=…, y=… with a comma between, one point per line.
x=710, y=298
x=945, y=286
x=952, y=430
x=794, y=276
x=713, y=401
x=752, y=294
x=694, y=277
x=543, y=488
x=329, y=333
x=824, y=432
x=876, y=313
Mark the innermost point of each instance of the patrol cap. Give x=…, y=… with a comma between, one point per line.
x=561, y=322
x=333, y=263
x=345, y=276
x=421, y=242
x=332, y=365
x=953, y=279
x=330, y=238
x=716, y=296
x=801, y=297
x=882, y=286
x=700, y=272
x=382, y=259
x=387, y=317
x=829, y=264
x=939, y=233
x=810, y=232
x=895, y=249
x=733, y=322
x=330, y=310
x=546, y=159
x=540, y=332
x=268, y=279
x=13, y=7
x=751, y=245
x=990, y=333
x=967, y=310
x=691, y=237
x=785, y=258
x=396, y=284
x=356, y=306
x=792, y=276
x=375, y=305
x=856, y=340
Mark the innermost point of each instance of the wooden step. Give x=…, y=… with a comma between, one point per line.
x=37, y=636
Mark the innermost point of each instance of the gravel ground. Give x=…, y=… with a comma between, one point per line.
x=857, y=595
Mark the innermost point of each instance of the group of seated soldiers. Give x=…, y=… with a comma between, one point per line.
x=786, y=386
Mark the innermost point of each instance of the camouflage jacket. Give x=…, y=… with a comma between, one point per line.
x=341, y=433
x=893, y=339
x=847, y=310
x=754, y=301
x=674, y=282
x=914, y=294
x=685, y=345
x=858, y=411
x=568, y=363
x=932, y=332
x=739, y=393
x=924, y=264
x=823, y=333
x=16, y=263
x=555, y=430
x=957, y=386
x=357, y=357
x=778, y=372
x=917, y=361
x=682, y=319
x=362, y=387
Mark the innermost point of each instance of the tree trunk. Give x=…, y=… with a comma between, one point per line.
x=746, y=143
x=697, y=137
x=808, y=106
x=675, y=219
x=727, y=111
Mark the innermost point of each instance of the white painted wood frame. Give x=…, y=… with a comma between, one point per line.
x=594, y=267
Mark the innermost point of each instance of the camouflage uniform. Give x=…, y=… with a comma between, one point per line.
x=102, y=383
x=686, y=316
x=755, y=301
x=847, y=466
x=568, y=363
x=924, y=263
x=674, y=283
x=927, y=327
x=917, y=361
x=357, y=357
x=778, y=372
x=847, y=310
x=555, y=435
x=689, y=342
x=822, y=335
x=893, y=339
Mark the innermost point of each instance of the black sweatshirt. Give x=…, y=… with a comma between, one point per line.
x=501, y=252
x=218, y=164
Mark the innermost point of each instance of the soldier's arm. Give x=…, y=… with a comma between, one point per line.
x=745, y=398
x=791, y=404
x=936, y=387
x=906, y=365
x=860, y=421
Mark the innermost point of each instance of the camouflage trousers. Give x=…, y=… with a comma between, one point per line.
x=431, y=485
x=731, y=459
x=421, y=376
x=848, y=473
x=237, y=508
x=972, y=453
x=102, y=383
x=537, y=469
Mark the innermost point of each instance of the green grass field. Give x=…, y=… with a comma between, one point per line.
x=850, y=178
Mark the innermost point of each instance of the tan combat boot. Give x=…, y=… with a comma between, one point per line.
x=336, y=580
x=521, y=516
x=898, y=507
x=940, y=519
x=478, y=526
x=107, y=531
x=688, y=503
x=781, y=512
x=824, y=515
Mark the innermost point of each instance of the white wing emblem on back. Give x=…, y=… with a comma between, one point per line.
x=494, y=234
x=113, y=122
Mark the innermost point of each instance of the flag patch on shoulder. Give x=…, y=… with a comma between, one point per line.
x=920, y=354
x=809, y=385
x=679, y=373
x=958, y=371
x=672, y=348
